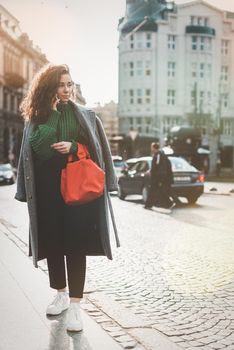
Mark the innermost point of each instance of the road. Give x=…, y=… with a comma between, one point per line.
x=174, y=271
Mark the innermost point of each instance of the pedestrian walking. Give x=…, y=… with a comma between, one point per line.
x=161, y=178
x=54, y=125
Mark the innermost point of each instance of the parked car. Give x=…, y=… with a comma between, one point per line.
x=135, y=179
x=7, y=175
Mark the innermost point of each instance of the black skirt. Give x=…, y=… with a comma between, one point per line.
x=64, y=228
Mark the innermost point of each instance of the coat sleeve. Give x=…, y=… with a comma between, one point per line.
x=20, y=189
x=111, y=179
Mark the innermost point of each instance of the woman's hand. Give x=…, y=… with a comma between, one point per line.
x=54, y=103
x=62, y=147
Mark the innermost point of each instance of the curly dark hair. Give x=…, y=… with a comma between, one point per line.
x=36, y=105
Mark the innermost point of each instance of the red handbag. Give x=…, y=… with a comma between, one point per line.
x=82, y=180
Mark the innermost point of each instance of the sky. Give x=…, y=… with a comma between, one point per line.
x=82, y=34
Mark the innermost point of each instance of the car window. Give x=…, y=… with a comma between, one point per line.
x=180, y=164
x=5, y=167
x=133, y=167
x=143, y=166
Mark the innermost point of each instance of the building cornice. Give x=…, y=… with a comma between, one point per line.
x=201, y=2
x=29, y=50
x=13, y=18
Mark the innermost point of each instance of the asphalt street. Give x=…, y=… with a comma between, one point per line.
x=174, y=272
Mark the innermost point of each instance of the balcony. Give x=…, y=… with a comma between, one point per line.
x=200, y=30
x=14, y=80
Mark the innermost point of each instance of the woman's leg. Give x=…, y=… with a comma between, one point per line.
x=57, y=277
x=57, y=274
x=76, y=270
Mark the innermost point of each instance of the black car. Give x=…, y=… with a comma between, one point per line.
x=135, y=179
x=7, y=175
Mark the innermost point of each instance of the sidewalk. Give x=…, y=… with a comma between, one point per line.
x=223, y=188
x=24, y=297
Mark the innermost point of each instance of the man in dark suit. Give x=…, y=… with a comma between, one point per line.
x=161, y=178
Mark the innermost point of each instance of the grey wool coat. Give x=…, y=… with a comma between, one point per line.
x=26, y=191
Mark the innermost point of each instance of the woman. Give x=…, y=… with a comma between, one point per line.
x=54, y=125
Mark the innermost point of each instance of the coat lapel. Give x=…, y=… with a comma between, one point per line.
x=87, y=120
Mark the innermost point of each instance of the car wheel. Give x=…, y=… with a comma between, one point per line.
x=145, y=191
x=121, y=194
x=192, y=199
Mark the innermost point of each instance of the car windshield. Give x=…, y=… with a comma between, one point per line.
x=180, y=164
x=5, y=167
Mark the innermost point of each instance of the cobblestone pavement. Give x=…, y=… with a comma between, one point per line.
x=175, y=271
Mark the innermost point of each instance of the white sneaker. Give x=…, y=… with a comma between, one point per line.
x=59, y=304
x=74, y=321
x=163, y=210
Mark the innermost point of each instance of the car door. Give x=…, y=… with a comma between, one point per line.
x=130, y=179
x=137, y=178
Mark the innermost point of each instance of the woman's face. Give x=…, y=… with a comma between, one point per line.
x=65, y=88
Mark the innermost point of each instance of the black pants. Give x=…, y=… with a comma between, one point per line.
x=159, y=196
x=76, y=268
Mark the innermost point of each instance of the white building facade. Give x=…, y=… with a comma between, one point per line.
x=178, y=69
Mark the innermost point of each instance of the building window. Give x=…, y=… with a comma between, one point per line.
x=147, y=68
x=194, y=70
x=208, y=44
x=202, y=66
x=131, y=66
x=131, y=121
x=139, y=40
x=224, y=73
x=225, y=101
x=148, y=96
x=194, y=42
x=171, y=97
x=5, y=100
x=227, y=127
x=199, y=21
x=132, y=41
x=202, y=43
x=171, y=42
x=148, y=40
x=169, y=122
x=171, y=69
x=139, y=65
x=131, y=93
x=148, y=72
x=206, y=22
x=139, y=96
x=193, y=98
x=201, y=102
x=224, y=47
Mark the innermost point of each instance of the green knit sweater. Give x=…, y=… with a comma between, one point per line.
x=62, y=125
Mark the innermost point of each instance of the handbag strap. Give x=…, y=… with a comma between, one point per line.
x=82, y=153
